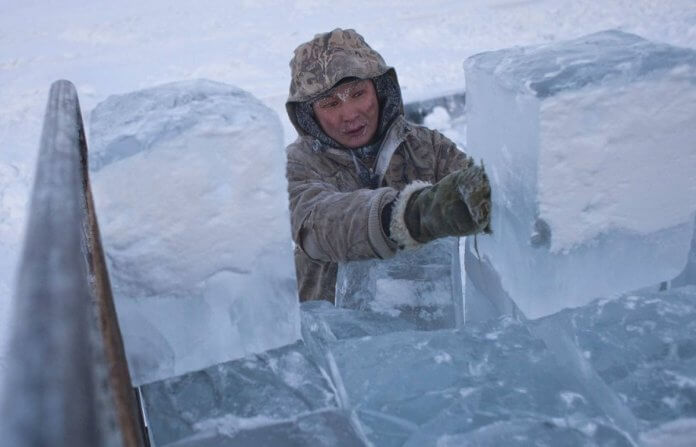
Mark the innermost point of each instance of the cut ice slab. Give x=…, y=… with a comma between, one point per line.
x=422, y=286
x=265, y=389
x=590, y=146
x=322, y=428
x=186, y=176
x=330, y=323
x=420, y=388
x=643, y=345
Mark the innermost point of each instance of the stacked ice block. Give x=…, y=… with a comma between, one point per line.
x=591, y=149
x=190, y=189
x=423, y=286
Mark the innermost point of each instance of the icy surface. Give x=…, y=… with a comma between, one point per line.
x=679, y=433
x=607, y=58
x=335, y=323
x=362, y=377
x=199, y=256
x=643, y=345
x=579, y=139
x=414, y=388
x=268, y=388
x=423, y=286
x=688, y=275
x=322, y=428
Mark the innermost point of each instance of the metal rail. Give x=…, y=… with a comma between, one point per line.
x=67, y=382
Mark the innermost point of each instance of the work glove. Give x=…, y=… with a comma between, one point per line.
x=457, y=205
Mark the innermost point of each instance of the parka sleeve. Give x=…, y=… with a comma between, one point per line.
x=334, y=226
x=448, y=157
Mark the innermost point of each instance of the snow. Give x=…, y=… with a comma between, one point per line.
x=579, y=138
x=199, y=256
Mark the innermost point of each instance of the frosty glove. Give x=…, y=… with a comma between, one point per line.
x=457, y=205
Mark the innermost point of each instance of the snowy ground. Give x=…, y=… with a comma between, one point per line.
x=116, y=47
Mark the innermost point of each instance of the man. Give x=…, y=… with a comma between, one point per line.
x=362, y=181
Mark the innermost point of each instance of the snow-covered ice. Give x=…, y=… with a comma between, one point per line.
x=422, y=285
x=590, y=147
x=190, y=190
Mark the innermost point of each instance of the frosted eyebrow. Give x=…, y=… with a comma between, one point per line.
x=341, y=92
x=325, y=100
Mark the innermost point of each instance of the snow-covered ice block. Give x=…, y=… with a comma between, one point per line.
x=190, y=190
x=269, y=388
x=591, y=148
x=423, y=286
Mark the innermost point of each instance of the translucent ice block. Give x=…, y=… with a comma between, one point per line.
x=190, y=190
x=688, y=275
x=643, y=345
x=267, y=388
x=422, y=286
x=339, y=323
x=420, y=388
x=590, y=148
x=321, y=428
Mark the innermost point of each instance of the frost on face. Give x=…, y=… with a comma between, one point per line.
x=340, y=94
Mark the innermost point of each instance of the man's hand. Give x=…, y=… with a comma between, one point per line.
x=458, y=205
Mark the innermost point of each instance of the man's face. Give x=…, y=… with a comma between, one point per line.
x=349, y=113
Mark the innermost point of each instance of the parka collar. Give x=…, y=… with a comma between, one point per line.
x=393, y=137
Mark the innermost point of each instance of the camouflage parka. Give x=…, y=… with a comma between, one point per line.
x=334, y=216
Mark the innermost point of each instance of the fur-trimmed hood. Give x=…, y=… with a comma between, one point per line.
x=321, y=63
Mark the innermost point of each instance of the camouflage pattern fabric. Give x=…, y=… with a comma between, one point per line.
x=322, y=62
x=335, y=219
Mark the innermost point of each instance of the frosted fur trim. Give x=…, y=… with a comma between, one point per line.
x=397, y=226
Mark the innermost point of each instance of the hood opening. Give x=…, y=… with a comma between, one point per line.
x=390, y=102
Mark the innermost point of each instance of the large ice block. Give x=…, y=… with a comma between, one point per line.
x=270, y=388
x=423, y=286
x=365, y=378
x=425, y=388
x=591, y=148
x=688, y=275
x=321, y=428
x=338, y=323
x=643, y=345
x=190, y=190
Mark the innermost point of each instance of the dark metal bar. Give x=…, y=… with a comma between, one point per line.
x=68, y=382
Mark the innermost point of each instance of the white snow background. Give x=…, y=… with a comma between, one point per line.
x=115, y=47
